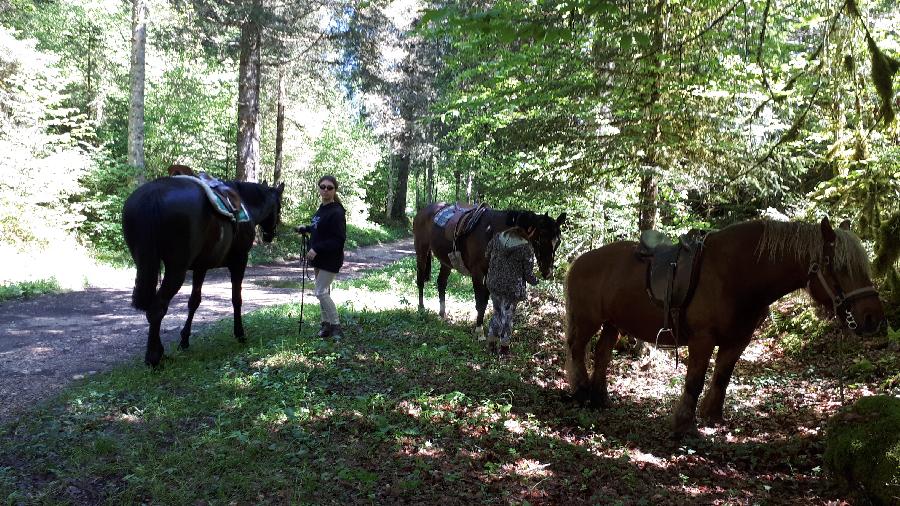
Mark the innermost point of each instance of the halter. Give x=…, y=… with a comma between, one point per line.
x=840, y=301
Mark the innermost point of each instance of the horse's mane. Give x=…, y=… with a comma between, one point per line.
x=803, y=241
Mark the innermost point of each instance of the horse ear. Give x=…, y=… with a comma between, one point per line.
x=561, y=219
x=827, y=232
x=845, y=225
x=265, y=184
x=280, y=187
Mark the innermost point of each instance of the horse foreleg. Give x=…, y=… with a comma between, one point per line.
x=443, y=276
x=170, y=285
x=193, y=304
x=482, y=295
x=602, y=355
x=712, y=406
x=699, y=351
x=237, y=277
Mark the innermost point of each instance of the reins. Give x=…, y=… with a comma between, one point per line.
x=840, y=302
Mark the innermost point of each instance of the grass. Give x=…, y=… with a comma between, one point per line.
x=27, y=289
x=410, y=409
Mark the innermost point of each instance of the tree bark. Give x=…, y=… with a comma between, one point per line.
x=389, y=191
x=248, y=103
x=279, y=130
x=139, y=14
x=398, y=209
x=650, y=162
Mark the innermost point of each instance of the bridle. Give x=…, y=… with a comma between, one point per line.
x=840, y=301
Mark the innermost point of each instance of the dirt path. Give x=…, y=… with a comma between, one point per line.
x=48, y=341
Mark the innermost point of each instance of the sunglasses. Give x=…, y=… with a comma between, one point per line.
x=326, y=187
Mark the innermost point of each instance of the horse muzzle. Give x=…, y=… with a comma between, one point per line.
x=872, y=326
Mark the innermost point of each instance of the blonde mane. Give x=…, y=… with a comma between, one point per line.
x=803, y=241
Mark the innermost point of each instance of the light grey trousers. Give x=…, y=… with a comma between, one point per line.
x=502, y=319
x=323, y=293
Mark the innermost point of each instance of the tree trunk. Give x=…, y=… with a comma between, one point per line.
x=139, y=14
x=279, y=130
x=389, y=191
x=420, y=182
x=248, y=103
x=398, y=210
x=456, y=176
x=649, y=205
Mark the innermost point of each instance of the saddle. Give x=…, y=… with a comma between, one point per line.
x=228, y=199
x=457, y=221
x=672, y=270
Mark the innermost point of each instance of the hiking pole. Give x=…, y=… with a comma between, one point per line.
x=304, y=246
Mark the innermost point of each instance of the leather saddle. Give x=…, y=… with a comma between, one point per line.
x=461, y=220
x=672, y=270
x=457, y=221
x=228, y=195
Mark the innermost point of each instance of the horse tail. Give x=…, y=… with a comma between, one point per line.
x=140, y=226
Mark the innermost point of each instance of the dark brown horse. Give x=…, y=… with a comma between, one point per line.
x=429, y=239
x=745, y=268
x=170, y=221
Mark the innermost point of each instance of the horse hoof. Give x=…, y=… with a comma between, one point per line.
x=153, y=358
x=599, y=401
x=183, y=345
x=580, y=396
x=689, y=433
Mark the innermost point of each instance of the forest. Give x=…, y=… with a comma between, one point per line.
x=626, y=115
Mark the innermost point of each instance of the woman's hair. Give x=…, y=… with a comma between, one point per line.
x=333, y=180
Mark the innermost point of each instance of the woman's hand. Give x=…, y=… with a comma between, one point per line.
x=311, y=254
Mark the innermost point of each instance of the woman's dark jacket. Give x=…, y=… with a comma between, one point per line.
x=329, y=231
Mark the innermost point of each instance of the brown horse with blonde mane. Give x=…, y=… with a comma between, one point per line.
x=745, y=268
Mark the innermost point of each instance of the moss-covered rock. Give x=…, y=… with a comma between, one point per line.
x=863, y=448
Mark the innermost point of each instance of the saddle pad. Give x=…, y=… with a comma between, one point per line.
x=443, y=216
x=217, y=201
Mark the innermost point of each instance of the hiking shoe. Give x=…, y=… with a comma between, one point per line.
x=336, y=331
x=324, y=329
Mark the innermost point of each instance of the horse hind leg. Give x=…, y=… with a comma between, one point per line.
x=443, y=277
x=578, y=334
x=602, y=355
x=423, y=271
x=171, y=283
x=193, y=304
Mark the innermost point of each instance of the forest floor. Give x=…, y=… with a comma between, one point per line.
x=48, y=341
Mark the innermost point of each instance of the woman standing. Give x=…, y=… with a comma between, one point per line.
x=510, y=266
x=328, y=232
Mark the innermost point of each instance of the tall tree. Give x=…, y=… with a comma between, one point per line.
x=258, y=33
x=248, y=131
x=139, y=15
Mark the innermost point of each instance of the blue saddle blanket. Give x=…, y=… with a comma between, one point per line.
x=444, y=215
x=217, y=200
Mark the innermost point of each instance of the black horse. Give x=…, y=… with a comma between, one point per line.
x=430, y=240
x=171, y=220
